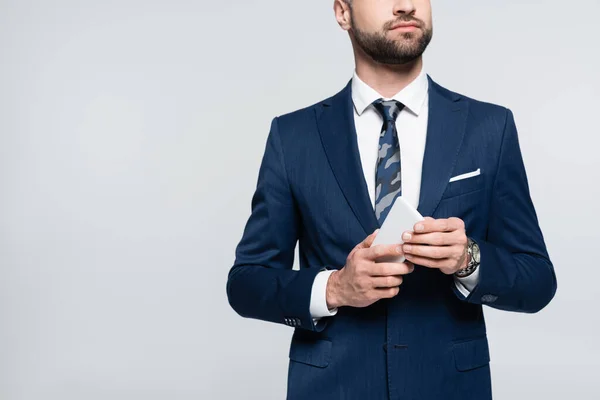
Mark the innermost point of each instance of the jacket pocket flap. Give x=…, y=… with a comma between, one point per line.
x=471, y=354
x=312, y=352
x=463, y=186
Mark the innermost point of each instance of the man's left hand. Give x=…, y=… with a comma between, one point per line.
x=437, y=243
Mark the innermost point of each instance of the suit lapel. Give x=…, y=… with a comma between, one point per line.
x=338, y=136
x=445, y=130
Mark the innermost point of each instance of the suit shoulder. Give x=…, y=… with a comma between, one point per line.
x=485, y=109
x=478, y=108
x=302, y=115
x=311, y=113
x=299, y=127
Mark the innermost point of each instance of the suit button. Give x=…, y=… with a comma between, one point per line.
x=488, y=298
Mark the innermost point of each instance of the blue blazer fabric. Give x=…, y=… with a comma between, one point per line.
x=429, y=342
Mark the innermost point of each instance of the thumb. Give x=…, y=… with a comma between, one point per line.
x=369, y=239
x=366, y=243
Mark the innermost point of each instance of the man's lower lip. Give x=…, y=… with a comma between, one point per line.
x=405, y=28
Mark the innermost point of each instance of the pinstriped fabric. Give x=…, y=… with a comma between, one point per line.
x=388, y=179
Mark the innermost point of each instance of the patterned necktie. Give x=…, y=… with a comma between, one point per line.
x=388, y=179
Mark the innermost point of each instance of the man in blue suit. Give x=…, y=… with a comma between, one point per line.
x=329, y=176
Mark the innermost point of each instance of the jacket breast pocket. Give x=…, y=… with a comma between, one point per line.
x=471, y=354
x=463, y=186
x=312, y=352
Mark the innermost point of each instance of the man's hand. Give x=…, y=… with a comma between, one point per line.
x=437, y=243
x=363, y=281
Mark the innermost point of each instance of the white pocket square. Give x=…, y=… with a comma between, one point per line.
x=465, y=176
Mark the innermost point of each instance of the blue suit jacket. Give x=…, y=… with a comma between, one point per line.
x=429, y=342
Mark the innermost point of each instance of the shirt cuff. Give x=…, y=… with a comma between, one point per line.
x=468, y=283
x=318, y=298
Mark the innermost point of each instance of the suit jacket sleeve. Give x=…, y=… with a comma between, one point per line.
x=262, y=284
x=516, y=273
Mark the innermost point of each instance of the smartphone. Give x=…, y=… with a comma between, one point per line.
x=401, y=218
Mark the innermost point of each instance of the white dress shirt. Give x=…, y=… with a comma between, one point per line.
x=411, y=126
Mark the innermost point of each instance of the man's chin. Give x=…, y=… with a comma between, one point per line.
x=403, y=41
x=407, y=52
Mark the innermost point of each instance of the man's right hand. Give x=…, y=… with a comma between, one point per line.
x=363, y=281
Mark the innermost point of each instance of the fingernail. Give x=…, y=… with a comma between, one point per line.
x=419, y=227
x=407, y=247
x=399, y=249
x=406, y=236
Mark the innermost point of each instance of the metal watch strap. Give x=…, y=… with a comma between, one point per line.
x=473, y=262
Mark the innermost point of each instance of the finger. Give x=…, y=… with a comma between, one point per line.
x=386, y=293
x=382, y=250
x=429, y=262
x=433, y=238
x=457, y=223
x=391, y=268
x=368, y=241
x=365, y=244
x=438, y=225
x=437, y=252
x=387, y=281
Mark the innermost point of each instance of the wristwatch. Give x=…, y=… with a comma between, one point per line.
x=473, y=254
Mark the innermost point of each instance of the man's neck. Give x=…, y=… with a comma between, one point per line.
x=387, y=80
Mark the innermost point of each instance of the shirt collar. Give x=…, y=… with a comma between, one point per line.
x=412, y=96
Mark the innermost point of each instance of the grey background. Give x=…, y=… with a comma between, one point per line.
x=131, y=133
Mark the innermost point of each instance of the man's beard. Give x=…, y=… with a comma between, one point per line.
x=387, y=51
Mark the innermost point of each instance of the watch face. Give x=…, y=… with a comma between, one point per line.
x=476, y=253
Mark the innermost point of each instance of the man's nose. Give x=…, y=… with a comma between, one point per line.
x=404, y=7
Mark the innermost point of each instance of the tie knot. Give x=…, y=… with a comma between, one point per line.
x=388, y=109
